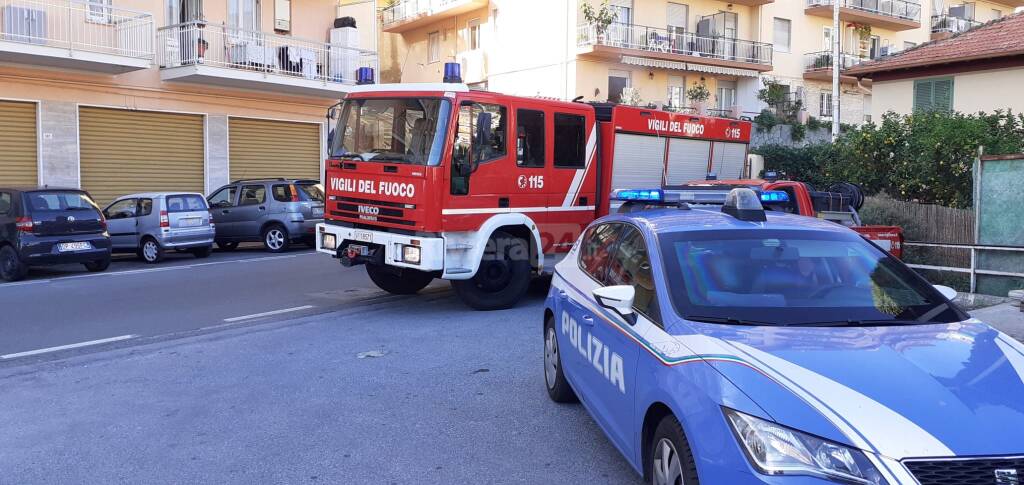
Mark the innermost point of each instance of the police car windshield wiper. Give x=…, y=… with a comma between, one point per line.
x=858, y=323
x=727, y=320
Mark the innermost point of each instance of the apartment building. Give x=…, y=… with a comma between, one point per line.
x=657, y=49
x=120, y=96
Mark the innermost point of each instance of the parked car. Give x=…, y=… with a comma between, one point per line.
x=149, y=224
x=50, y=226
x=276, y=212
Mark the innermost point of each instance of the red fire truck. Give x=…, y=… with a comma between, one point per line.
x=486, y=190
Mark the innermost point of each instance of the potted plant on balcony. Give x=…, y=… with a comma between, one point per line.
x=600, y=18
x=698, y=94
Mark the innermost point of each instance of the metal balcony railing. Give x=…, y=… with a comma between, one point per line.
x=650, y=39
x=217, y=45
x=78, y=26
x=900, y=9
x=950, y=24
x=404, y=10
x=822, y=61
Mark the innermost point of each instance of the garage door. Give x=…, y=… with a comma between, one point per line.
x=18, y=163
x=124, y=152
x=267, y=148
x=687, y=160
x=639, y=161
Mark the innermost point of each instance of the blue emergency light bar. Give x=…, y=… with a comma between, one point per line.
x=639, y=195
x=774, y=196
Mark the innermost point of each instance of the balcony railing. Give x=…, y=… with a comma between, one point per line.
x=404, y=10
x=78, y=26
x=822, y=61
x=949, y=24
x=217, y=45
x=900, y=9
x=657, y=40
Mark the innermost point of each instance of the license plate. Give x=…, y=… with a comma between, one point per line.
x=190, y=222
x=329, y=242
x=318, y=212
x=358, y=250
x=74, y=246
x=364, y=236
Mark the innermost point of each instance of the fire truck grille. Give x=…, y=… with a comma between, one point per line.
x=970, y=471
x=366, y=210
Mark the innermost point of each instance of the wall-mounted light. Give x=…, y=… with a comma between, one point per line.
x=650, y=75
x=597, y=92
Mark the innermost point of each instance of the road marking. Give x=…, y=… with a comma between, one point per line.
x=66, y=347
x=267, y=314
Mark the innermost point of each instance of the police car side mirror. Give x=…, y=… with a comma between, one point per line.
x=617, y=298
x=946, y=291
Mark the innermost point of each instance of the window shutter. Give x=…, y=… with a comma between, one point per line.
x=677, y=15
x=923, y=95
x=782, y=34
x=942, y=94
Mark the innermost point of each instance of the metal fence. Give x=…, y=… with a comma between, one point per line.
x=901, y=9
x=201, y=43
x=78, y=26
x=972, y=268
x=652, y=39
x=404, y=10
x=822, y=61
x=946, y=23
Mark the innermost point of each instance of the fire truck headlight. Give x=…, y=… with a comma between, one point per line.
x=411, y=254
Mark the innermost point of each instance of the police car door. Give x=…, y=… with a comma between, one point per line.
x=606, y=355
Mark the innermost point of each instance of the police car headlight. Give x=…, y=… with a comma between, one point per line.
x=777, y=450
x=411, y=254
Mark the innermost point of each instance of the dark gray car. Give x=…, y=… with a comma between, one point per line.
x=276, y=212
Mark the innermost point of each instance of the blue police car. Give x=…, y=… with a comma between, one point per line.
x=726, y=345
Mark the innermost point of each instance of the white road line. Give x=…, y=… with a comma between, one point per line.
x=66, y=347
x=267, y=314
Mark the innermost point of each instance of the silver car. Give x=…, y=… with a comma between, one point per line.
x=276, y=212
x=152, y=223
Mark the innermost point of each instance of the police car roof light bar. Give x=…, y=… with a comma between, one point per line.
x=639, y=195
x=744, y=204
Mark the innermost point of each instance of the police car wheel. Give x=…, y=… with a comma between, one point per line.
x=671, y=462
x=503, y=277
x=398, y=281
x=558, y=387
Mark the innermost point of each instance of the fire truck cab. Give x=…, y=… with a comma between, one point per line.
x=432, y=181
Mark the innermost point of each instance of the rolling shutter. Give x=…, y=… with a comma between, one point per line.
x=267, y=148
x=639, y=161
x=18, y=157
x=124, y=152
x=728, y=160
x=687, y=160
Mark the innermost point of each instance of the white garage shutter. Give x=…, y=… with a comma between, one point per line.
x=687, y=160
x=639, y=161
x=729, y=159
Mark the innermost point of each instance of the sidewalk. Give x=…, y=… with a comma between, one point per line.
x=1005, y=317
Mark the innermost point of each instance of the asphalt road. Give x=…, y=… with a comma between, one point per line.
x=448, y=395
x=65, y=305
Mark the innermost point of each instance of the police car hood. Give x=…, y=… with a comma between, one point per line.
x=904, y=391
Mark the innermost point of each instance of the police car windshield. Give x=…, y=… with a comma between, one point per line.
x=393, y=130
x=795, y=277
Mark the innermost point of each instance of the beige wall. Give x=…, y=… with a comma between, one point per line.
x=972, y=92
x=413, y=61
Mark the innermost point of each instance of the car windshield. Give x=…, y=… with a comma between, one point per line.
x=311, y=192
x=781, y=277
x=396, y=130
x=60, y=201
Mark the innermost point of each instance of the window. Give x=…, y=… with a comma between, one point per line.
x=876, y=43
x=595, y=249
x=678, y=15
x=145, y=207
x=726, y=94
x=782, y=37
x=909, y=45
x=99, y=11
x=676, y=91
x=282, y=193
x=473, y=32
x=121, y=209
x=223, y=198
x=59, y=201
x=480, y=137
x=244, y=14
x=933, y=94
x=185, y=203
x=406, y=130
x=825, y=109
x=252, y=195
x=997, y=14
x=530, y=138
x=631, y=266
x=570, y=141
x=826, y=38
x=5, y=202
x=618, y=81
x=434, y=47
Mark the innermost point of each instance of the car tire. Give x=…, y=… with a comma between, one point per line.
x=558, y=387
x=202, y=252
x=97, y=266
x=150, y=251
x=503, y=277
x=398, y=281
x=275, y=238
x=11, y=266
x=227, y=245
x=670, y=460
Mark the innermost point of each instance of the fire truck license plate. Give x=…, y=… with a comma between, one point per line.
x=364, y=236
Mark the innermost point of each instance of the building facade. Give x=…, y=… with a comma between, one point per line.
x=656, y=50
x=121, y=96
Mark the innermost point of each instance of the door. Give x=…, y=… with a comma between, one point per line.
x=126, y=152
x=222, y=204
x=122, y=223
x=726, y=95
x=272, y=149
x=482, y=162
x=687, y=160
x=573, y=191
x=18, y=158
x=250, y=213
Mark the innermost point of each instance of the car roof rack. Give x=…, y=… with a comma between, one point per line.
x=262, y=179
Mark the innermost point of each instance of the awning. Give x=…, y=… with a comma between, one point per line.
x=688, y=66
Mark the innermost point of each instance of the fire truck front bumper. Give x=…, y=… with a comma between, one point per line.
x=359, y=246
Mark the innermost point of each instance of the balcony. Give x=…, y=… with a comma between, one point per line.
x=752, y=3
x=946, y=25
x=686, y=47
x=75, y=35
x=818, y=66
x=214, y=54
x=897, y=15
x=406, y=15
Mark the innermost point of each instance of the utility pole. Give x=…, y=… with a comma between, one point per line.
x=836, y=63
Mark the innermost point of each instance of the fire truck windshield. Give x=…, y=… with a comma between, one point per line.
x=394, y=130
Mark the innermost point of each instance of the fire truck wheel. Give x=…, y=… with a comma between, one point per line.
x=403, y=281
x=503, y=277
